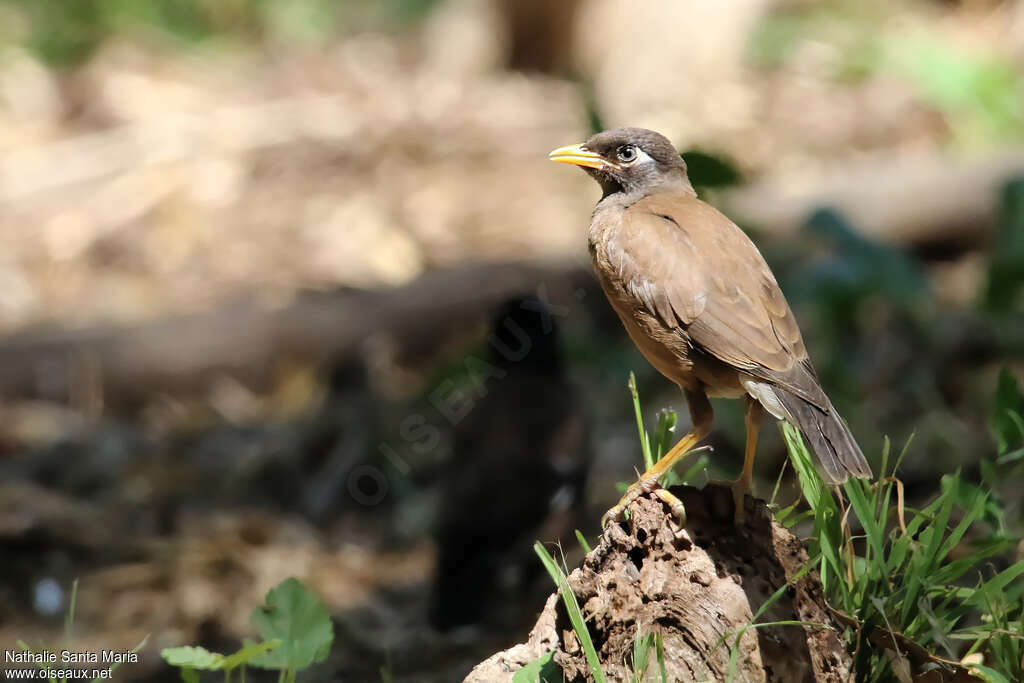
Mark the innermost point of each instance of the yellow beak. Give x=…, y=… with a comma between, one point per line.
x=578, y=156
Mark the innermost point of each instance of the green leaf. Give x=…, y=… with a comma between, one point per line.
x=988, y=675
x=193, y=658
x=189, y=675
x=294, y=615
x=541, y=670
x=250, y=651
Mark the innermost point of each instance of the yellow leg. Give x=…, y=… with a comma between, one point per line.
x=702, y=415
x=742, y=486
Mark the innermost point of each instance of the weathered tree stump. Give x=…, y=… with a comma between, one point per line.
x=698, y=588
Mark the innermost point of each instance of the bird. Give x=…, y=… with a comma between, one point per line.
x=701, y=304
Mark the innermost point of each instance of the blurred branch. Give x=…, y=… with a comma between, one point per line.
x=248, y=339
x=915, y=202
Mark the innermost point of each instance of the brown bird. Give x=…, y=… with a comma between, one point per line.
x=701, y=304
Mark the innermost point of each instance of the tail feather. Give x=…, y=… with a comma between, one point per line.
x=829, y=438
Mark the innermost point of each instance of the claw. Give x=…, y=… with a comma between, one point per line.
x=632, y=493
x=640, y=488
x=674, y=504
x=648, y=481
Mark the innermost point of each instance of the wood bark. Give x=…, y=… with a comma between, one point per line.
x=700, y=589
x=248, y=340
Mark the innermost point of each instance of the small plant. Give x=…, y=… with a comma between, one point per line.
x=573, y=609
x=541, y=670
x=653, y=447
x=913, y=583
x=643, y=646
x=296, y=629
x=910, y=585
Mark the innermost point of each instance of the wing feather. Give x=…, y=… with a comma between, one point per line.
x=733, y=309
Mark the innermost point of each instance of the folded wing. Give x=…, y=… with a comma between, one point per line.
x=735, y=310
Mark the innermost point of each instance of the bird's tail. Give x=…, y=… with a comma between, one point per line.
x=829, y=438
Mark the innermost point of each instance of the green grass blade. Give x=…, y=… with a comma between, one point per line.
x=997, y=583
x=659, y=648
x=642, y=646
x=886, y=449
x=134, y=650
x=923, y=561
x=645, y=444
x=69, y=620
x=778, y=484
x=874, y=529
x=792, y=622
x=663, y=434
x=573, y=609
x=583, y=541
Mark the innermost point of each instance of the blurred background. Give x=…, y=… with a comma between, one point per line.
x=291, y=289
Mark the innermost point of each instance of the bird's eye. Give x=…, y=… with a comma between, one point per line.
x=626, y=153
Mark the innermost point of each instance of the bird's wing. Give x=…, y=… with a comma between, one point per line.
x=695, y=269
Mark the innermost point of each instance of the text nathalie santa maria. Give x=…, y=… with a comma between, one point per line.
x=70, y=657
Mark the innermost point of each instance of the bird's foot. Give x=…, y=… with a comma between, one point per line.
x=740, y=488
x=643, y=486
x=648, y=481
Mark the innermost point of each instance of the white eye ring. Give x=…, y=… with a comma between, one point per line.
x=631, y=154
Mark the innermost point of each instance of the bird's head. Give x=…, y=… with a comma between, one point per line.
x=627, y=160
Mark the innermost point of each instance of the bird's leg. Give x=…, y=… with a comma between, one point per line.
x=742, y=486
x=702, y=416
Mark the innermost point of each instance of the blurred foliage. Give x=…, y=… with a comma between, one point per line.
x=595, y=122
x=1005, y=292
x=67, y=31
x=863, y=268
x=849, y=286
x=1007, y=419
x=710, y=171
x=979, y=93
